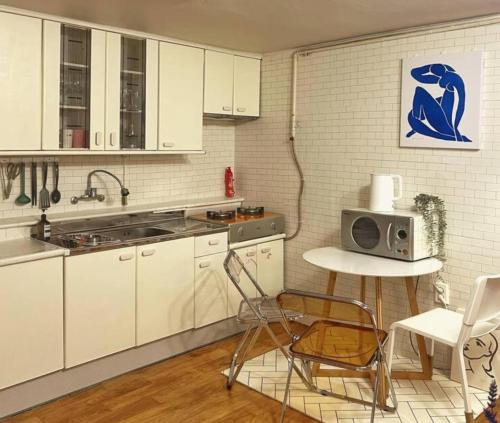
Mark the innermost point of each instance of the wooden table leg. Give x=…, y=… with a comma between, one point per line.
x=425, y=360
x=316, y=370
x=382, y=397
x=332, y=280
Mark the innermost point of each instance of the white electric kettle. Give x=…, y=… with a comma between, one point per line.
x=382, y=195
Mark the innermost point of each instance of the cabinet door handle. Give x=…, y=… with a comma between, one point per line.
x=125, y=257
x=250, y=253
x=226, y=108
x=112, y=139
x=214, y=242
x=204, y=264
x=265, y=250
x=168, y=144
x=98, y=138
x=147, y=253
x=241, y=109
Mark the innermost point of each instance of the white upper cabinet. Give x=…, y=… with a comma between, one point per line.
x=180, y=102
x=97, y=90
x=232, y=85
x=246, y=86
x=112, y=110
x=219, y=70
x=20, y=82
x=74, y=81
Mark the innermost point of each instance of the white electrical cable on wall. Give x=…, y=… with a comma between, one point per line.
x=365, y=39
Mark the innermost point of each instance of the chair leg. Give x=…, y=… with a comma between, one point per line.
x=287, y=388
x=304, y=378
x=234, y=361
x=375, y=392
x=248, y=348
x=469, y=418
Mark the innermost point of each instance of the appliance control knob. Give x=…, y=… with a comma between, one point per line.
x=240, y=231
x=273, y=226
x=402, y=234
x=405, y=252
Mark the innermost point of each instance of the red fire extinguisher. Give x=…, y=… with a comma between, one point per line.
x=229, y=182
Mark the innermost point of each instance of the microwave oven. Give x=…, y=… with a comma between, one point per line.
x=399, y=234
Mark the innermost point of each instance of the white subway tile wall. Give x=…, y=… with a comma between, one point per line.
x=150, y=179
x=348, y=127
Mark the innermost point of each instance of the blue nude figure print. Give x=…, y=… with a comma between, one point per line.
x=438, y=117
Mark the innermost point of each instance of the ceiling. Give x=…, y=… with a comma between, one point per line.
x=262, y=25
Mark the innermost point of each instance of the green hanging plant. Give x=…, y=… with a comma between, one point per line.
x=434, y=213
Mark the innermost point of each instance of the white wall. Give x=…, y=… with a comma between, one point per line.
x=348, y=115
x=150, y=179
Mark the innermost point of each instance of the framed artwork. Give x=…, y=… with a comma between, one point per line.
x=482, y=361
x=440, y=101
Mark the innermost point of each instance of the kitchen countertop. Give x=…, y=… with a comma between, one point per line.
x=26, y=249
x=176, y=204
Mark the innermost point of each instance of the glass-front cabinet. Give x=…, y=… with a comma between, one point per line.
x=132, y=93
x=100, y=90
x=74, y=102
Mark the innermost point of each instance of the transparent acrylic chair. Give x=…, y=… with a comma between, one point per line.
x=481, y=316
x=256, y=313
x=344, y=334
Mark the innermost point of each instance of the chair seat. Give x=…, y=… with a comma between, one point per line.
x=439, y=324
x=442, y=325
x=338, y=344
x=268, y=307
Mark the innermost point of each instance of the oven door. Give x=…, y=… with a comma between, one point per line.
x=370, y=233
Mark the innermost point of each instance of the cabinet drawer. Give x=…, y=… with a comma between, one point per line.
x=210, y=244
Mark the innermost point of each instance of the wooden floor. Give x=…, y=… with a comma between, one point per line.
x=187, y=388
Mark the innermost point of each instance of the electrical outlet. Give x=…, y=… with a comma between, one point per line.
x=442, y=293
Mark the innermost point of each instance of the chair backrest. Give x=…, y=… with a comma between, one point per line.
x=484, y=301
x=234, y=268
x=327, y=307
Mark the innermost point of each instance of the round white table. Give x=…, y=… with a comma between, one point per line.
x=337, y=260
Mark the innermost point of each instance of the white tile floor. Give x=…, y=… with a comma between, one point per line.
x=436, y=401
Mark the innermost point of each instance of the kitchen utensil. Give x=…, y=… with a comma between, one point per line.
x=78, y=138
x=3, y=180
x=13, y=170
x=67, y=138
x=56, y=195
x=44, y=193
x=23, y=199
x=34, y=188
x=382, y=192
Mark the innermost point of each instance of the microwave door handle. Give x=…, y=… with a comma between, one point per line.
x=388, y=236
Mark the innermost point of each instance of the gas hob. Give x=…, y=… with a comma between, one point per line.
x=246, y=223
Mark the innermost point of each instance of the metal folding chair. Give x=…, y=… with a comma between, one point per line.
x=344, y=334
x=256, y=313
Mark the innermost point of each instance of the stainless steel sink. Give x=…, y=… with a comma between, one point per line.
x=127, y=234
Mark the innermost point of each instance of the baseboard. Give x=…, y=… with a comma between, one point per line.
x=55, y=385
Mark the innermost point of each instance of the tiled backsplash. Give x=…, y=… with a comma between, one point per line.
x=348, y=127
x=150, y=179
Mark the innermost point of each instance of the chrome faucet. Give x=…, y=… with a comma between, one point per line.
x=91, y=193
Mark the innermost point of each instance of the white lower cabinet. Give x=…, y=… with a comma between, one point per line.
x=31, y=320
x=210, y=292
x=99, y=304
x=165, y=289
x=249, y=257
x=270, y=267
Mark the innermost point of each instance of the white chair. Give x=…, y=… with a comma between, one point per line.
x=481, y=316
